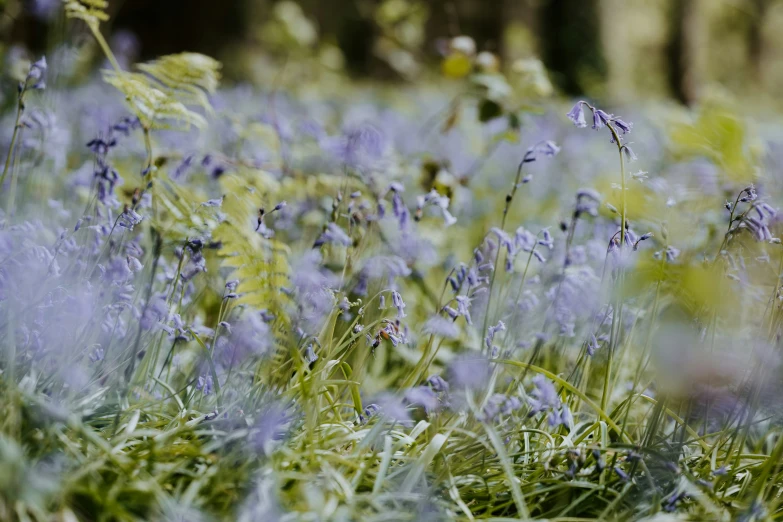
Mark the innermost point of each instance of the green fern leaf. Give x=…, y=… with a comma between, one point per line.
x=189, y=77
x=155, y=108
x=93, y=12
x=260, y=264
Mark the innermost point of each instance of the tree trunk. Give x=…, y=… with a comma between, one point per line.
x=684, y=50
x=756, y=38
x=571, y=44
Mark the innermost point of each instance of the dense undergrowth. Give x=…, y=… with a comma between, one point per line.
x=363, y=303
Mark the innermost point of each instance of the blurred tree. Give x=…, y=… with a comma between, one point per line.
x=571, y=43
x=759, y=11
x=482, y=21
x=684, y=49
x=173, y=26
x=350, y=23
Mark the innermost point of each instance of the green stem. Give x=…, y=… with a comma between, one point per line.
x=12, y=189
x=615, y=332
x=104, y=47
x=12, y=146
x=506, y=208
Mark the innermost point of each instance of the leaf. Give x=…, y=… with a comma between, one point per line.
x=189, y=77
x=489, y=110
x=494, y=86
x=260, y=264
x=154, y=108
x=161, y=94
x=93, y=12
x=719, y=136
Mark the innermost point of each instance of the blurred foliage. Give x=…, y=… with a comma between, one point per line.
x=617, y=374
x=720, y=135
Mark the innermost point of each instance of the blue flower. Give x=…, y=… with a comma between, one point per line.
x=577, y=115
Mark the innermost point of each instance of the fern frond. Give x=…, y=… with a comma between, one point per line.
x=260, y=264
x=190, y=77
x=154, y=108
x=180, y=215
x=93, y=12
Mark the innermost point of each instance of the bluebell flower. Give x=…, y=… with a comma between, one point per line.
x=440, y=326
x=391, y=408
x=463, y=307
x=399, y=304
x=358, y=147
x=577, y=115
x=217, y=202
x=204, y=383
x=622, y=474
x=499, y=404
x=423, y=396
x=333, y=235
x=592, y=345
x=250, y=337
x=435, y=199
x=400, y=210
x=129, y=219
x=310, y=356
x=471, y=372
x=524, y=240
x=491, y=331
x=544, y=398
x=624, y=127
x=35, y=76
x=546, y=239
x=600, y=119
x=438, y=384
x=272, y=424
x=589, y=194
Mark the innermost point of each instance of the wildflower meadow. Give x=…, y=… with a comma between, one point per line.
x=311, y=297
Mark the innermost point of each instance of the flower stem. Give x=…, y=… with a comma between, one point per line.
x=509, y=199
x=12, y=146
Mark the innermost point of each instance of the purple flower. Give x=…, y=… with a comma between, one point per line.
x=435, y=199
x=398, y=304
x=622, y=474
x=440, y=326
x=333, y=235
x=500, y=404
x=250, y=337
x=577, y=115
x=359, y=147
x=463, y=307
x=600, y=119
x=471, y=372
x=272, y=424
x=544, y=398
x=392, y=409
x=423, y=396
x=437, y=384
x=35, y=76
x=129, y=219
x=548, y=148
x=589, y=194
x=592, y=345
x=204, y=383
x=400, y=210
x=491, y=331
x=310, y=356
x=524, y=240
x=624, y=127
x=213, y=202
